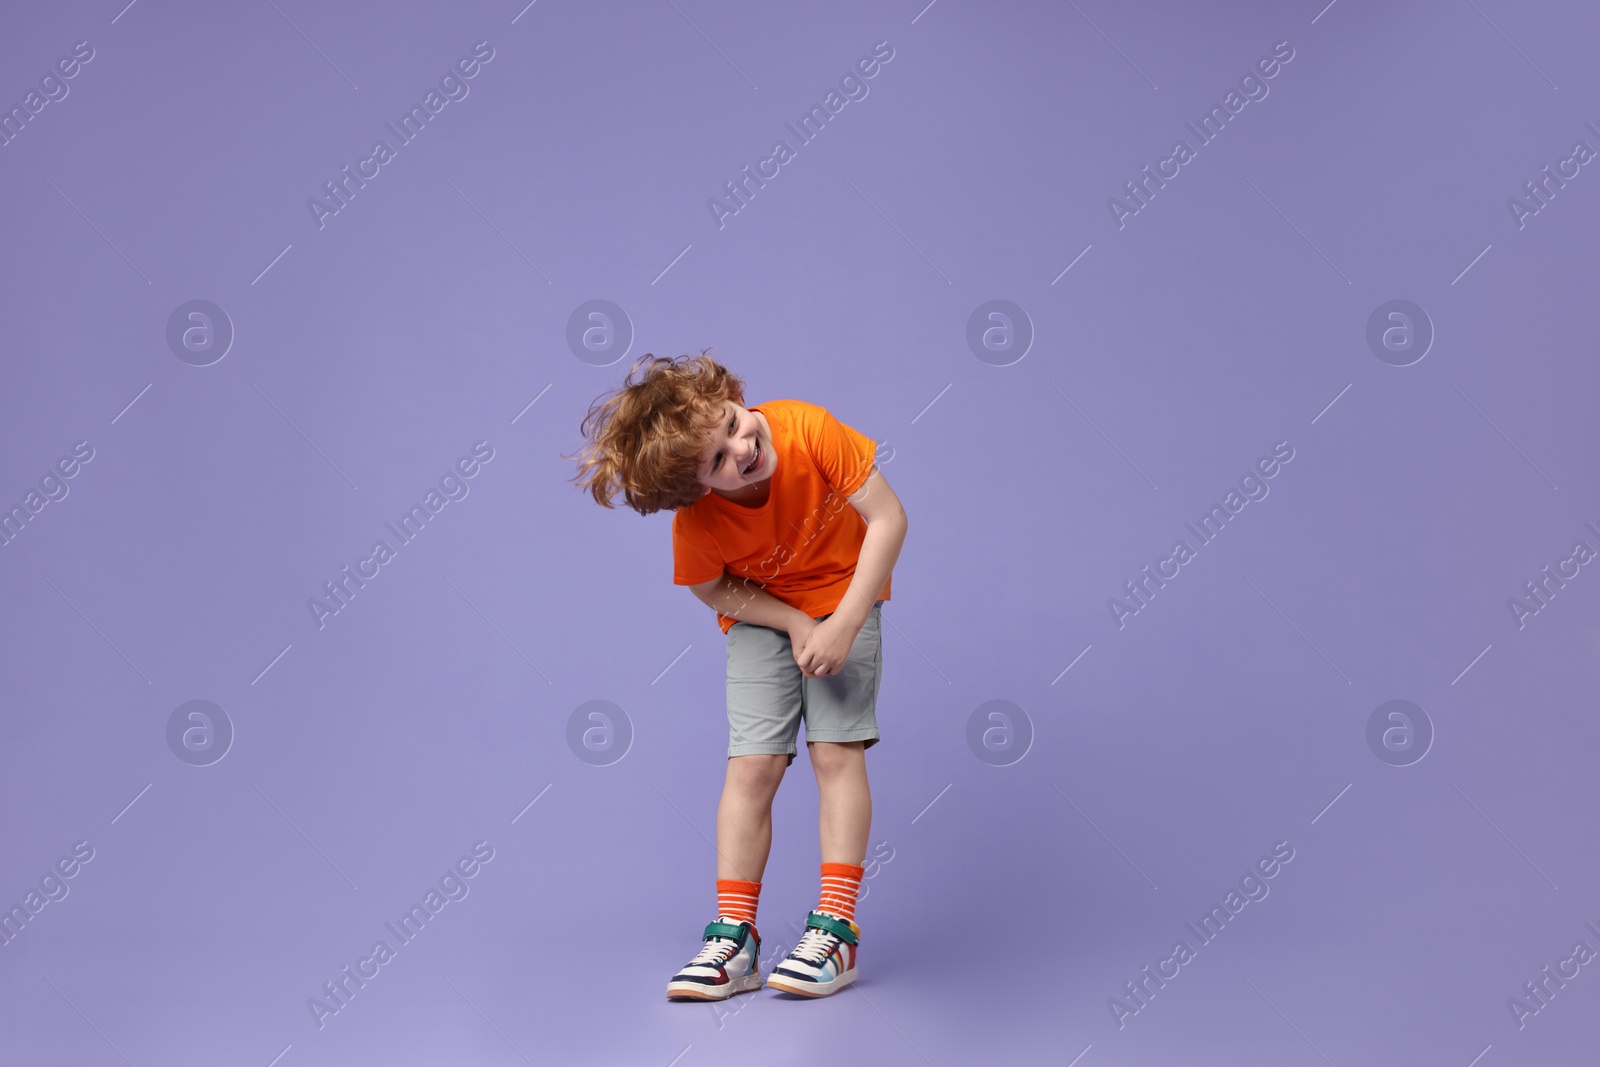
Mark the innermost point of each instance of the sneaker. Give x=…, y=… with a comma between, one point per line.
x=729, y=963
x=824, y=961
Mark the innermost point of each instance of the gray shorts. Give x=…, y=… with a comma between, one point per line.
x=768, y=696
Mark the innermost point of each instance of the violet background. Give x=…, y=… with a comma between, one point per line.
x=431, y=313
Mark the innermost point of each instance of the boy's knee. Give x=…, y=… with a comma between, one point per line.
x=758, y=771
x=831, y=756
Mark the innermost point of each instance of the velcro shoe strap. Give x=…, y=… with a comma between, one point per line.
x=821, y=920
x=719, y=929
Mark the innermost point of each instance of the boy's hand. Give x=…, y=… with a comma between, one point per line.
x=800, y=632
x=820, y=648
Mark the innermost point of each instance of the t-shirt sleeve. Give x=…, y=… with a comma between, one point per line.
x=844, y=455
x=695, y=559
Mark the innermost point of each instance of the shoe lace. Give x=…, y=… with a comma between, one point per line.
x=717, y=950
x=815, y=945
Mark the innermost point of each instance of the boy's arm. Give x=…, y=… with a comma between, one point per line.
x=747, y=602
x=886, y=523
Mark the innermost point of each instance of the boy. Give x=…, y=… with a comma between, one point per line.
x=762, y=535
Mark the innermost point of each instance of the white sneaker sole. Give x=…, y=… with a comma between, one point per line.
x=811, y=989
x=700, y=991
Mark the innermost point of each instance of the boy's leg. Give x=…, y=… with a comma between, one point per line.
x=730, y=961
x=744, y=815
x=765, y=702
x=841, y=724
x=845, y=817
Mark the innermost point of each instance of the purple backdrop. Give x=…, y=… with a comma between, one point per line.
x=1339, y=345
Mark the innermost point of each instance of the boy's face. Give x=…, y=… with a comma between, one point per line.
x=738, y=441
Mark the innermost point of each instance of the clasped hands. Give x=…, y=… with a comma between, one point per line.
x=820, y=648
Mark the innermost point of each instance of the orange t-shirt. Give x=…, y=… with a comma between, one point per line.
x=801, y=546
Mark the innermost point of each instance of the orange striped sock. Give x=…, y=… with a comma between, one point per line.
x=737, y=900
x=841, y=882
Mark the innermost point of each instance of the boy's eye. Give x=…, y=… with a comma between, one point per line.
x=717, y=461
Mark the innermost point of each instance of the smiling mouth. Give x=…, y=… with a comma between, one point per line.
x=760, y=455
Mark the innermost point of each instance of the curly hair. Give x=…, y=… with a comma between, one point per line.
x=645, y=440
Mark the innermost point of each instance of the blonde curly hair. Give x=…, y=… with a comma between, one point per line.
x=645, y=440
